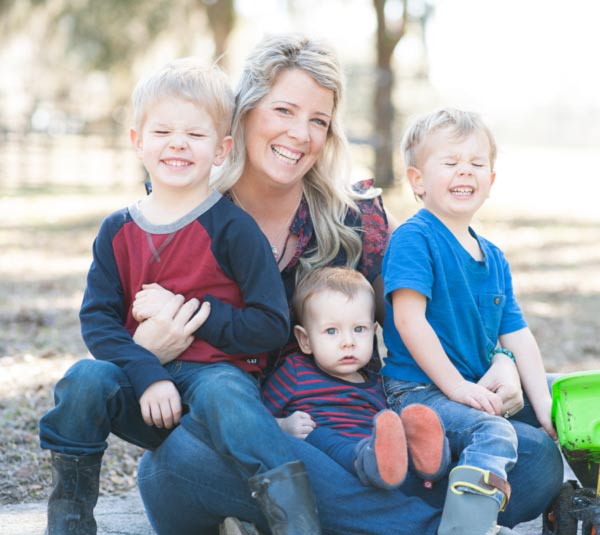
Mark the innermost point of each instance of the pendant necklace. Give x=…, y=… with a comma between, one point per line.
x=278, y=256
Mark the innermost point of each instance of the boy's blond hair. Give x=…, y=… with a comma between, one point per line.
x=461, y=123
x=188, y=79
x=344, y=280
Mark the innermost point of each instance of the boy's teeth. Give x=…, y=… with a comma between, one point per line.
x=176, y=163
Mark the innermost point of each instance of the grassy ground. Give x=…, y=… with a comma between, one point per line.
x=45, y=241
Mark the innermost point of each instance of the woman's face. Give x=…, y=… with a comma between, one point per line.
x=287, y=130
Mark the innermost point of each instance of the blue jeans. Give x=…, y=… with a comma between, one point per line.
x=476, y=438
x=92, y=400
x=223, y=409
x=187, y=487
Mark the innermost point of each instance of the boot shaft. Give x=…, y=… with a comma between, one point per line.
x=285, y=497
x=472, y=503
x=75, y=486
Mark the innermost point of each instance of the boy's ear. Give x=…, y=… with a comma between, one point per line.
x=223, y=150
x=415, y=179
x=136, y=142
x=492, y=178
x=302, y=337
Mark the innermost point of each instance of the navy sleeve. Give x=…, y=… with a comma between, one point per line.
x=102, y=315
x=263, y=323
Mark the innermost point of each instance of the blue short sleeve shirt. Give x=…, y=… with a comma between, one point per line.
x=470, y=303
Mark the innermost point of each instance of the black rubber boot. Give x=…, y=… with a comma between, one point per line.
x=286, y=499
x=75, y=485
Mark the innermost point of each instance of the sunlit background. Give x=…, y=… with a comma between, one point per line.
x=527, y=66
x=67, y=68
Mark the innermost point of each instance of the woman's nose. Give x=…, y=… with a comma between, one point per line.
x=299, y=130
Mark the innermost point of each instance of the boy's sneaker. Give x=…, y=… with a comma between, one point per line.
x=233, y=526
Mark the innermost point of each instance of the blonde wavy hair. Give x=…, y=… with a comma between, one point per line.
x=326, y=186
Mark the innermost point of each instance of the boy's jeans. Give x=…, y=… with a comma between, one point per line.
x=476, y=438
x=223, y=402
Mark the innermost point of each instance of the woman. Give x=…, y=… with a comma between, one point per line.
x=289, y=165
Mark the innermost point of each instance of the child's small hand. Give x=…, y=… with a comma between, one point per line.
x=161, y=405
x=149, y=301
x=298, y=424
x=478, y=397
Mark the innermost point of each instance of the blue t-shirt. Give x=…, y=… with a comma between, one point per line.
x=470, y=303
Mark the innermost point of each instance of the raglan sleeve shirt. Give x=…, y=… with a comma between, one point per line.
x=243, y=252
x=103, y=314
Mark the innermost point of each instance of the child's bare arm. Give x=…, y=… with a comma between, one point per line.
x=298, y=424
x=524, y=347
x=426, y=348
x=161, y=405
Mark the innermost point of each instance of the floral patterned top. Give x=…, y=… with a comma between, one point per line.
x=370, y=222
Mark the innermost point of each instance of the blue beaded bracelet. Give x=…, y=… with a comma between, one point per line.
x=506, y=352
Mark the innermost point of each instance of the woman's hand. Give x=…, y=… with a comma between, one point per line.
x=170, y=332
x=502, y=378
x=298, y=424
x=149, y=301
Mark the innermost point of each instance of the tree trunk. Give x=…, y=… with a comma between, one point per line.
x=221, y=18
x=384, y=85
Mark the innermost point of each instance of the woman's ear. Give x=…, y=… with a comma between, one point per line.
x=302, y=337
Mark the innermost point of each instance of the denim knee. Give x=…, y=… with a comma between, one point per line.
x=81, y=419
x=89, y=377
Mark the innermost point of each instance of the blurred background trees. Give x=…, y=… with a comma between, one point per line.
x=79, y=60
x=68, y=67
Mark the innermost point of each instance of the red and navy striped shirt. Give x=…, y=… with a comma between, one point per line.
x=299, y=385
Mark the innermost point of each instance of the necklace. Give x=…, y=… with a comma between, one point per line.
x=286, y=228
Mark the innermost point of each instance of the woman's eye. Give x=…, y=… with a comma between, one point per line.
x=321, y=122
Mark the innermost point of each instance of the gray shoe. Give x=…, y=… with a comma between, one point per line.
x=234, y=526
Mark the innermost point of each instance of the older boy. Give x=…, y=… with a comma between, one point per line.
x=196, y=243
x=328, y=397
x=450, y=308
